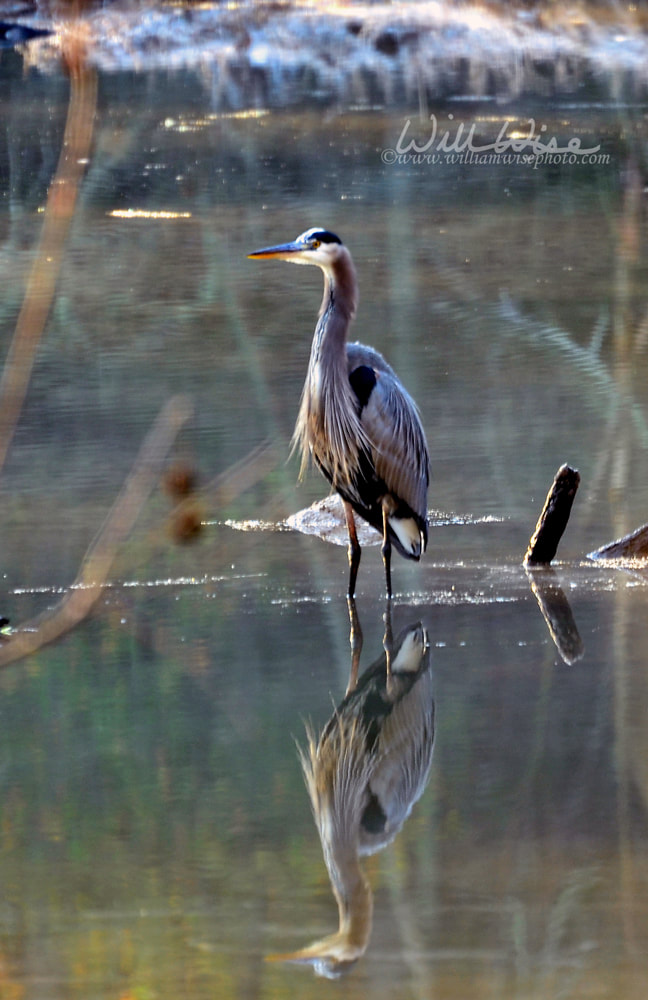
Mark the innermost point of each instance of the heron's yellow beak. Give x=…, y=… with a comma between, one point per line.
x=322, y=957
x=284, y=251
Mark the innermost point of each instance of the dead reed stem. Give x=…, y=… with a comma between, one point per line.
x=91, y=578
x=59, y=211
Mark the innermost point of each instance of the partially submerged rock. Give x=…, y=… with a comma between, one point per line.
x=325, y=518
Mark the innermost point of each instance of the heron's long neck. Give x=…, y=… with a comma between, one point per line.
x=335, y=315
x=327, y=423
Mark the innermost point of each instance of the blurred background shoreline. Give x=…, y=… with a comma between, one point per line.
x=273, y=54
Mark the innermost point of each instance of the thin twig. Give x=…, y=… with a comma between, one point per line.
x=91, y=578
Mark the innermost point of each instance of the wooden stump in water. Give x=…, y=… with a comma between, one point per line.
x=554, y=517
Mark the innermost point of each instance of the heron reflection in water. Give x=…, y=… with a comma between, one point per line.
x=356, y=419
x=364, y=773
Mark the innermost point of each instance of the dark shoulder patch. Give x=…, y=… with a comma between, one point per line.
x=362, y=379
x=373, y=819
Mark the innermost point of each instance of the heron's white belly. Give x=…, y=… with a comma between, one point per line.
x=408, y=533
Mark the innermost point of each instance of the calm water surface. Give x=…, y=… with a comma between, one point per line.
x=156, y=838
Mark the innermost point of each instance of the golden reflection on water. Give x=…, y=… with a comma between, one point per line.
x=194, y=124
x=141, y=213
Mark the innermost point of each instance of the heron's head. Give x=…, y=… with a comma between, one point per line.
x=315, y=246
x=330, y=958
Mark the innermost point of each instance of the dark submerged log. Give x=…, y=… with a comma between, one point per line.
x=632, y=546
x=554, y=517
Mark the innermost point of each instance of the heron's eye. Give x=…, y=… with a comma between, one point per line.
x=314, y=244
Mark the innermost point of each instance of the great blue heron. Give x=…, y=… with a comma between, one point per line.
x=364, y=774
x=356, y=419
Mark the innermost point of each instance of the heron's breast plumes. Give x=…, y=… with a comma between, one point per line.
x=328, y=427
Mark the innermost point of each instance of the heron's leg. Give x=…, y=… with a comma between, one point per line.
x=386, y=552
x=355, y=640
x=354, y=547
x=388, y=643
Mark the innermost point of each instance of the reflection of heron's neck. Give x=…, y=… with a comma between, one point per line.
x=354, y=900
x=334, y=954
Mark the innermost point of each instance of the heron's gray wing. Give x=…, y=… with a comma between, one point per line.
x=391, y=422
x=360, y=354
x=404, y=759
